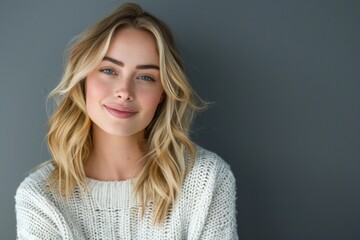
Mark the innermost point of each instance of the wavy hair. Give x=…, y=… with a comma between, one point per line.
x=168, y=151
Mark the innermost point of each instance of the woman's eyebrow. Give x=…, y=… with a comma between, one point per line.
x=117, y=62
x=147, y=66
x=121, y=64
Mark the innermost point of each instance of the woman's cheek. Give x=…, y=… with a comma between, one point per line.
x=95, y=90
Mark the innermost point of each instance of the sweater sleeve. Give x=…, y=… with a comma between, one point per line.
x=220, y=221
x=36, y=216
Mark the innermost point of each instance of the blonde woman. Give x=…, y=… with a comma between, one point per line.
x=123, y=166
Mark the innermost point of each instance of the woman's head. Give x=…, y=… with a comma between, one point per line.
x=91, y=47
x=166, y=140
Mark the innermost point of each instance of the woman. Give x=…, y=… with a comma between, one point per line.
x=123, y=165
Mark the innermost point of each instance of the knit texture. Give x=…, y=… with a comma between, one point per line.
x=205, y=208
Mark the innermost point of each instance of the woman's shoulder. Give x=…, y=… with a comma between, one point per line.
x=209, y=161
x=37, y=212
x=209, y=169
x=35, y=182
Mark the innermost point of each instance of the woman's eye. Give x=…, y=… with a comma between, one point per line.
x=146, y=78
x=108, y=71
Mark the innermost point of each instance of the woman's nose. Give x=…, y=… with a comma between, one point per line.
x=124, y=90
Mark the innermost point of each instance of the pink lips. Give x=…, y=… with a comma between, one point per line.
x=120, y=111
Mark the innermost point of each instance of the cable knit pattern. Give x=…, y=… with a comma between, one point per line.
x=205, y=208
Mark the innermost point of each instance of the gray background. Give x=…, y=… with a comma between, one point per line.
x=284, y=76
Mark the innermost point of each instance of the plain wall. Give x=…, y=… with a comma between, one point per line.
x=284, y=76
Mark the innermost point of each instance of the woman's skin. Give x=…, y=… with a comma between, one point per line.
x=127, y=79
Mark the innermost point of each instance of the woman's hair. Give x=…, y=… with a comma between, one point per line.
x=169, y=152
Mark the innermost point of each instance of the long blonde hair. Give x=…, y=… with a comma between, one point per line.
x=169, y=152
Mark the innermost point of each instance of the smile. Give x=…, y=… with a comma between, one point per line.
x=121, y=113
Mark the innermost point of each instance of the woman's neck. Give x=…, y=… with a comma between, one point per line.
x=114, y=158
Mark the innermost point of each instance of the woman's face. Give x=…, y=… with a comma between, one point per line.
x=123, y=92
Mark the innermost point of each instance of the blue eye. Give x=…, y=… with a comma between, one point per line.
x=108, y=71
x=146, y=78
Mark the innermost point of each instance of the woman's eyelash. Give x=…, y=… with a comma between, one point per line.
x=108, y=71
x=146, y=78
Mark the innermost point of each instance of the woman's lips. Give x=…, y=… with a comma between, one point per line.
x=119, y=111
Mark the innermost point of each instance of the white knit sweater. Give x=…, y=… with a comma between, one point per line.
x=205, y=208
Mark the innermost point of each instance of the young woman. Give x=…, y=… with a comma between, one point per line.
x=123, y=165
